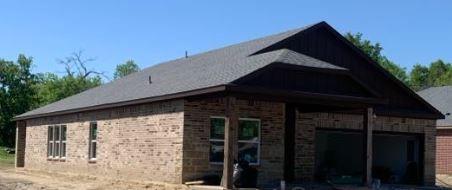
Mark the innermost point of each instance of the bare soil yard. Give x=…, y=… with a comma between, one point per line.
x=19, y=179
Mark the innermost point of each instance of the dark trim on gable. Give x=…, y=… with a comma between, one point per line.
x=437, y=114
x=297, y=96
x=381, y=69
x=256, y=73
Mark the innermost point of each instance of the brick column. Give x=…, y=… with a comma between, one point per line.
x=429, y=154
x=20, y=143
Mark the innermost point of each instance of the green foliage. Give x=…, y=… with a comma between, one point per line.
x=438, y=73
x=17, y=94
x=52, y=88
x=126, y=69
x=418, y=77
x=6, y=159
x=21, y=90
x=374, y=52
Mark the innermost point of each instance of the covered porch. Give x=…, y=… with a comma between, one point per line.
x=300, y=141
x=312, y=99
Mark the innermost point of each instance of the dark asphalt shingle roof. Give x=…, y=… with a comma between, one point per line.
x=441, y=99
x=209, y=69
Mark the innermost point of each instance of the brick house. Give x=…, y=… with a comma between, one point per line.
x=441, y=98
x=303, y=105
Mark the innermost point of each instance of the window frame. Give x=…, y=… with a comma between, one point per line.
x=63, y=141
x=50, y=141
x=91, y=157
x=258, y=142
x=53, y=143
x=215, y=140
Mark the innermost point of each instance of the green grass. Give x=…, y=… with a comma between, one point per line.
x=6, y=160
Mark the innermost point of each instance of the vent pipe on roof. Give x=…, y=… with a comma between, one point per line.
x=150, y=79
x=186, y=54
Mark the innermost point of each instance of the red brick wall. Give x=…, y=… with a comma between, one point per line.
x=444, y=151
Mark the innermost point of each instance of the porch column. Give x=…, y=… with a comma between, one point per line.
x=20, y=143
x=367, y=146
x=230, y=141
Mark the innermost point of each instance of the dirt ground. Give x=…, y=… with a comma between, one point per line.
x=19, y=179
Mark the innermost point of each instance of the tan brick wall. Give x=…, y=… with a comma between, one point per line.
x=135, y=142
x=444, y=151
x=197, y=132
x=308, y=122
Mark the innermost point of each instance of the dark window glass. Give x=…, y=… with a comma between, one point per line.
x=248, y=130
x=57, y=149
x=217, y=128
x=50, y=141
x=63, y=132
x=63, y=150
x=50, y=133
x=57, y=133
x=94, y=147
x=50, y=153
x=93, y=131
x=93, y=140
x=216, y=151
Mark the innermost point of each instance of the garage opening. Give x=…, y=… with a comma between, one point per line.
x=339, y=157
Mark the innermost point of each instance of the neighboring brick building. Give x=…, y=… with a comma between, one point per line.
x=299, y=106
x=441, y=98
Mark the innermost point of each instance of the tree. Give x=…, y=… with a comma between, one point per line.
x=17, y=94
x=78, y=78
x=418, y=77
x=436, y=73
x=374, y=52
x=125, y=69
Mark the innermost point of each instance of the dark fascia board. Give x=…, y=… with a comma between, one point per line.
x=308, y=95
x=312, y=27
x=380, y=68
x=345, y=72
x=132, y=102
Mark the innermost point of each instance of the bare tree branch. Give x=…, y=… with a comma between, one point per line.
x=77, y=61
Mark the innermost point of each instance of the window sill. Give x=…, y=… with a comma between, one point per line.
x=57, y=159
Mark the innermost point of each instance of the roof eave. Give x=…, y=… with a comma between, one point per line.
x=207, y=90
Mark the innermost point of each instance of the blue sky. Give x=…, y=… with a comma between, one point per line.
x=149, y=32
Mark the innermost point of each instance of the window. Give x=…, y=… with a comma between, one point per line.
x=92, y=140
x=50, y=142
x=63, y=141
x=249, y=143
x=56, y=142
x=217, y=139
x=248, y=139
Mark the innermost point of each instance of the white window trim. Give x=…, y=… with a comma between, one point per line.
x=215, y=140
x=91, y=141
x=63, y=142
x=258, y=142
x=239, y=141
x=50, y=141
x=54, y=143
